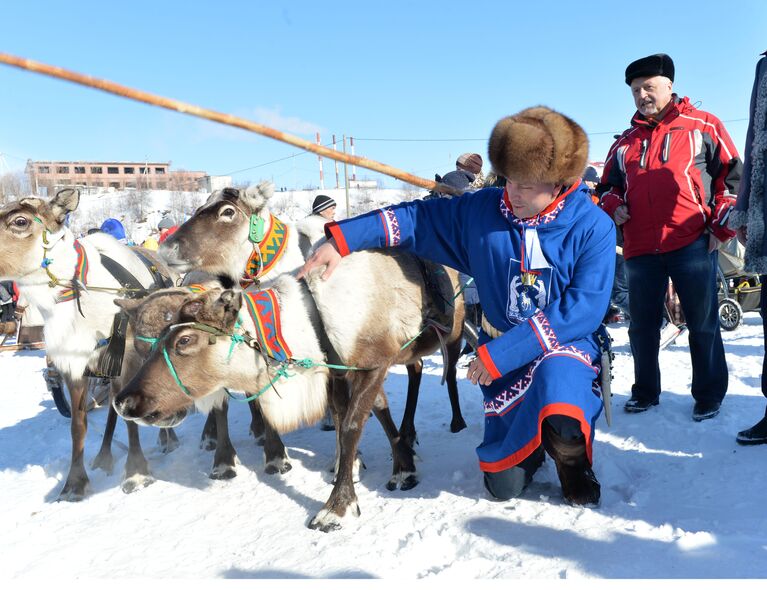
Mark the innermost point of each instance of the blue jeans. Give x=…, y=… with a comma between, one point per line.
x=693, y=271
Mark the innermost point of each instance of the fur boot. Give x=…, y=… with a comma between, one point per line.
x=579, y=484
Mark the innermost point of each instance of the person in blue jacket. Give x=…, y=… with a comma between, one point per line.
x=542, y=256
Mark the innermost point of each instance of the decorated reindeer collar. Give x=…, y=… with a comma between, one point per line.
x=268, y=246
x=50, y=239
x=264, y=311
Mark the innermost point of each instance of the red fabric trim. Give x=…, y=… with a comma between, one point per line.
x=561, y=409
x=537, y=335
x=487, y=360
x=385, y=227
x=335, y=232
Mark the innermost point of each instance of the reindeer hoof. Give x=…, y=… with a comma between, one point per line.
x=327, y=520
x=208, y=443
x=136, y=482
x=457, y=425
x=223, y=472
x=406, y=480
x=278, y=466
x=103, y=461
x=73, y=492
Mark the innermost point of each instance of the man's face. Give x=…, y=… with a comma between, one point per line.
x=329, y=213
x=651, y=94
x=529, y=199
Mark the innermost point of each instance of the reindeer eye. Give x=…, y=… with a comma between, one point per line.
x=227, y=212
x=20, y=222
x=184, y=341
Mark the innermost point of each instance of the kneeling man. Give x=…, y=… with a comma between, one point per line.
x=542, y=256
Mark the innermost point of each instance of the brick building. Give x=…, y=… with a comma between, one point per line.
x=48, y=177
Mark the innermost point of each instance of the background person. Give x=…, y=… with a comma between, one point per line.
x=673, y=176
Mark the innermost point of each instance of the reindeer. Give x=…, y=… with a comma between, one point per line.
x=39, y=252
x=219, y=239
x=191, y=363
x=149, y=317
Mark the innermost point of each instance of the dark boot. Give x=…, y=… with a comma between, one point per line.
x=756, y=435
x=579, y=484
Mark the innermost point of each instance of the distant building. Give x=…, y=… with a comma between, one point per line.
x=216, y=183
x=362, y=184
x=48, y=177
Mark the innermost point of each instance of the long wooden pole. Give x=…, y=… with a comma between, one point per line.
x=195, y=111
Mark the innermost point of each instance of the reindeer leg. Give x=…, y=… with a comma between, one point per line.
x=104, y=459
x=209, y=437
x=275, y=455
x=224, y=459
x=77, y=480
x=167, y=440
x=457, y=423
x=338, y=399
x=403, y=469
x=407, y=427
x=257, y=425
x=137, y=473
x=365, y=388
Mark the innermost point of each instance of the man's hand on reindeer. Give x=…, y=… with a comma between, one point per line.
x=478, y=373
x=326, y=255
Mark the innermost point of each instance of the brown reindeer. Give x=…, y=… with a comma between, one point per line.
x=216, y=239
x=149, y=317
x=192, y=363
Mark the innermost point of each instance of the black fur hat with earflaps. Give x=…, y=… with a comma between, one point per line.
x=539, y=145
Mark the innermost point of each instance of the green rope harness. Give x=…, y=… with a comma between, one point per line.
x=243, y=338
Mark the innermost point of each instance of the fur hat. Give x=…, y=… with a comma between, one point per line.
x=539, y=145
x=469, y=162
x=659, y=64
x=322, y=202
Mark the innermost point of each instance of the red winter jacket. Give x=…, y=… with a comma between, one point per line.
x=678, y=177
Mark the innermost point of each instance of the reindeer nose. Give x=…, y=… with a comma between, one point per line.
x=125, y=403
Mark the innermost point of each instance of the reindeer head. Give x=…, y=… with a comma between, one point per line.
x=216, y=238
x=151, y=315
x=190, y=360
x=24, y=227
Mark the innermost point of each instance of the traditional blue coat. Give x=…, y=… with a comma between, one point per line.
x=544, y=282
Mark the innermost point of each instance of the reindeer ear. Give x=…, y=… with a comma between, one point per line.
x=232, y=302
x=257, y=195
x=64, y=202
x=191, y=309
x=231, y=299
x=130, y=306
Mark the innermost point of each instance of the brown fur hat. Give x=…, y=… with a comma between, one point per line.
x=539, y=145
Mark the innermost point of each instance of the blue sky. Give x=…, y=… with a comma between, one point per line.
x=381, y=72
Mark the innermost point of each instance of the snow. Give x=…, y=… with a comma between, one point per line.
x=680, y=499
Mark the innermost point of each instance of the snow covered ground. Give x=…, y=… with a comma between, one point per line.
x=679, y=499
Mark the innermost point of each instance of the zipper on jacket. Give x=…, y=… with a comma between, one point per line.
x=666, y=148
x=643, y=153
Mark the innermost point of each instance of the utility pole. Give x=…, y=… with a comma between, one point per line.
x=322, y=178
x=346, y=182
x=335, y=161
x=354, y=167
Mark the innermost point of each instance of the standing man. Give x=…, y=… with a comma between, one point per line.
x=673, y=178
x=750, y=216
x=542, y=257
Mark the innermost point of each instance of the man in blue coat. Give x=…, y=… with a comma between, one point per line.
x=542, y=256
